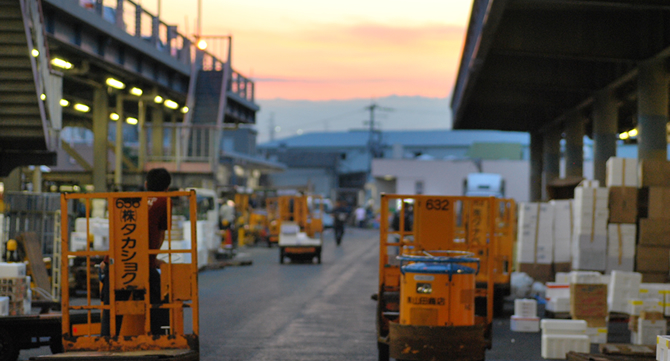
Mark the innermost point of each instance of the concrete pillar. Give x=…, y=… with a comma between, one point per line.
x=605, y=128
x=100, y=137
x=141, y=134
x=37, y=179
x=574, y=146
x=551, y=158
x=118, y=150
x=157, y=131
x=652, y=107
x=535, y=167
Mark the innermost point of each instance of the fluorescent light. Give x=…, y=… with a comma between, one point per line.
x=117, y=84
x=623, y=136
x=114, y=116
x=35, y=53
x=136, y=91
x=64, y=103
x=61, y=63
x=277, y=129
x=632, y=133
x=184, y=110
x=43, y=97
x=158, y=99
x=131, y=120
x=82, y=108
x=202, y=45
x=171, y=104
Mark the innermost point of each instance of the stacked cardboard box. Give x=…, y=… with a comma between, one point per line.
x=535, y=240
x=588, y=302
x=562, y=234
x=589, y=235
x=621, y=247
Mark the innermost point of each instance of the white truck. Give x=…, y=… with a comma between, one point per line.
x=484, y=185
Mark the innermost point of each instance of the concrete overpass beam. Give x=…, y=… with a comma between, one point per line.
x=118, y=149
x=574, y=146
x=535, y=167
x=652, y=108
x=605, y=127
x=100, y=135
x=551, y=149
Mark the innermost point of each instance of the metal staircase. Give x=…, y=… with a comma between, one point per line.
x=30, y=92
x=208, y=95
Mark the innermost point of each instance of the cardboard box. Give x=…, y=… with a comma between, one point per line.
x=654, y=232
x=654, y=202
x=588, y=301
x=652, y=259
x=654, y=173
x=621, y=172
x=623, y=204
x=654, y=277
x=539, y=272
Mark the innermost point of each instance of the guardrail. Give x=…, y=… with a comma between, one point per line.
x=137, y=21
x=181, y=143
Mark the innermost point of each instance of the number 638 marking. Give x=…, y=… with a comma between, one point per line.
x=437, y=204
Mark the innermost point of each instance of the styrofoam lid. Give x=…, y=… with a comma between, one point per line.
x=563, y=325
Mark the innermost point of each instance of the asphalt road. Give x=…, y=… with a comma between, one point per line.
x=269, y=311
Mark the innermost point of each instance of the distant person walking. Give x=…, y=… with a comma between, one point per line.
x=340, y=215
x=360, y=216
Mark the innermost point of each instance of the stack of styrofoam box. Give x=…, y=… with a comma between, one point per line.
x=525, y=316
x=562, y=336
x=4, y=306
x=662, y=348
x=562, y=277
x=585, y=277
x=648, y=329
x=535, y=239
x=98, y=227
x=589, y=245
x=13, y=285
x=558, y=297
x=622, y=287
x=621, y=172
x=621, y=247
x=562, y=230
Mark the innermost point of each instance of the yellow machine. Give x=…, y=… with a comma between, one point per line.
x=128, y=273
x=296, y=227
x=430, y=305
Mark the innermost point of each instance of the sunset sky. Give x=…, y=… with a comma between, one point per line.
x=335, y=50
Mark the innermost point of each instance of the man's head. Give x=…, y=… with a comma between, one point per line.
x=158, y=180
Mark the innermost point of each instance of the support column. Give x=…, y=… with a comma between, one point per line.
x=37, y=179
x=12, y=183
x=157, y=131
x=551, y=157
x=100, y=138
x=652, y=107
x=574, y=146
x=605, y=128
x=141, y=134
x=535, y=167
x=118, y=150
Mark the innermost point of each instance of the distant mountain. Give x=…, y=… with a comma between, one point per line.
x=405, y=113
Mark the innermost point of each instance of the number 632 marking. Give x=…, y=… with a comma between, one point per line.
x=437, y=204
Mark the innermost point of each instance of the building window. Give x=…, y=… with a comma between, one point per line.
x=418, y=187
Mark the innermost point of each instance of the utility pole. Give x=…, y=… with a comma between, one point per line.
x=374, y=138
x=272, y=127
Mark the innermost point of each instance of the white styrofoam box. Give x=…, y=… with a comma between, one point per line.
x=80, y=224
x=605, y=279
x=563, y=327
x=662, y=348
x=635, y=306
x=622, y=287
x=588, y=183
x=590, y=193
x=621, y=172
x=653, y=290
x=588, y=241
x=562, y=249
x=78, y=241
x=100, y=227
x=525, y=307
x=4, y=306
x=12, y=270
x=626, y=264
x=586, y=223
x=557, y=346
x=176, y=257
x=525, y=324
x=586, y=277
x=588, y=259
x=27, y=307
x=621, y=240
x=555, y=290
x=597, y=334
x=562, y=277
x=647, y=330
x=558, y=304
